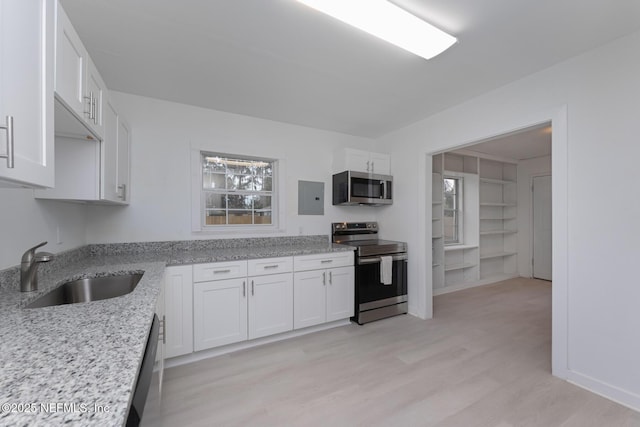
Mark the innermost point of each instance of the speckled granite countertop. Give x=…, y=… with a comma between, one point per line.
x=77, y=364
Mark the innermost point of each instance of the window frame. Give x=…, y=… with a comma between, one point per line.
x=458, y=209
x=198, y=208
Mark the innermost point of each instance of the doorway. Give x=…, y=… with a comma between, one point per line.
x=497, y=217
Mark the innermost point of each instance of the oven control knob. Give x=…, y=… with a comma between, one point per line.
x=369, y=225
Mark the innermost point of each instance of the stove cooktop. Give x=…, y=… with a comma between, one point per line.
x=376, y=247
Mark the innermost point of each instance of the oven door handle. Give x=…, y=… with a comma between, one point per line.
x=377, y=259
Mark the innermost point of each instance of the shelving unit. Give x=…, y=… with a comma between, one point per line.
x=437, y=238
x=498, y=223
x=488, y=252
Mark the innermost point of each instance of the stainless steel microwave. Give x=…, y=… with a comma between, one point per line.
x=361, y=188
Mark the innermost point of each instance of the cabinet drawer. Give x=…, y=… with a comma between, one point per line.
x=219, y=271
x=258, y=267
x=318, y=261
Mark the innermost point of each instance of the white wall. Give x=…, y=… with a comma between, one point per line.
x=25, y=222
x=162, y=134
x=596, y=297
x=527, y=169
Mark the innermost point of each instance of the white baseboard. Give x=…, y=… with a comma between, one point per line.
x=218, y=351
x=483, y=282
x=616, y=394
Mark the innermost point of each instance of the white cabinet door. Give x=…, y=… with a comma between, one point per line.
x=109, y=154
x=340, y=293
x=270, y=304
x=123, y=165
x=380, y=164
x=309, y=300
x=179, y=310
x=71, y=62
x=219, y=313
x=357, y=160
x=26, y=92
x=96, y=92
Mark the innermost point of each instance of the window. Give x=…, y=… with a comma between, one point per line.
x=236, y=190
x=452, y=210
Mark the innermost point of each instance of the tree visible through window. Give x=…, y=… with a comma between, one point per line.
x=452, y=210
x=237, y=190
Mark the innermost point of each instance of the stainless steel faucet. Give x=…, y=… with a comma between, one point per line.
x=29, y=267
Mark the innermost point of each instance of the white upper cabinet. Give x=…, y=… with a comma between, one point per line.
x=93, y=171
x=71, y=63
x=122, y=165
x=26, y=93
x=78, y=85
x=361, y=161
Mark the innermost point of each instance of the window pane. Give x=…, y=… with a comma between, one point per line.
x=262, y=217
x=449, y=185
x=239, y=167
x=239, y=202
x=215, y=201
x=216, y=217
x=214, y=164
x=449, y=201
x=240, y=182
x=450, y=224
x=213, y=181
x=240, y=217
x=262, y=203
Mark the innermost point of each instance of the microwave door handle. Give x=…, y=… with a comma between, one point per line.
x=383, y=183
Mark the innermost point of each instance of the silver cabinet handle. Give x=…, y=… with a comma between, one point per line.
x=253, y=288
x=228, y=270
x=123, y=188
x=90, y=99
x=368, y=166
x=324, y=278
x=244, y=289
x=326, y=261
x=330, y=278
x=270, y=266
x=9, y=156
x=94, y=107
x=372, y=166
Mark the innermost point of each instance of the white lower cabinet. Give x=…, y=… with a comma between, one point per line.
x=270, y=305
x=219, y=313
x=179, y=310
x=215, y=304
x=323, y=294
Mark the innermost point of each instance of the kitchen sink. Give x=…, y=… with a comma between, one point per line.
x=90, y=289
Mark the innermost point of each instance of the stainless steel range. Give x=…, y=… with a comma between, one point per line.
x=381, y=270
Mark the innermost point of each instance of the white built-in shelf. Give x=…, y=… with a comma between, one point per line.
x=436, y=237
x=436, y=219
x=437, y=202
x=497, y=255
x=496, y=181
x=490, y=232
x=462, y=266
x=435, y=265
x=498, y=204
x=459, y=247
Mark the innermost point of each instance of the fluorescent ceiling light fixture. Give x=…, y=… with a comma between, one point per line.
x=388, y=22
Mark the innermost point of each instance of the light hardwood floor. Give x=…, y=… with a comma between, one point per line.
x=484, y=360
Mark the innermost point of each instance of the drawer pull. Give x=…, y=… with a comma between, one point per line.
x=270, y=266
x=221, y=271
x=326, y=261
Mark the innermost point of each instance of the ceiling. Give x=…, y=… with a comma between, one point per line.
x=280, y=60
x=529, y=143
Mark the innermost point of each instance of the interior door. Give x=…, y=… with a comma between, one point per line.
x=542, y=234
